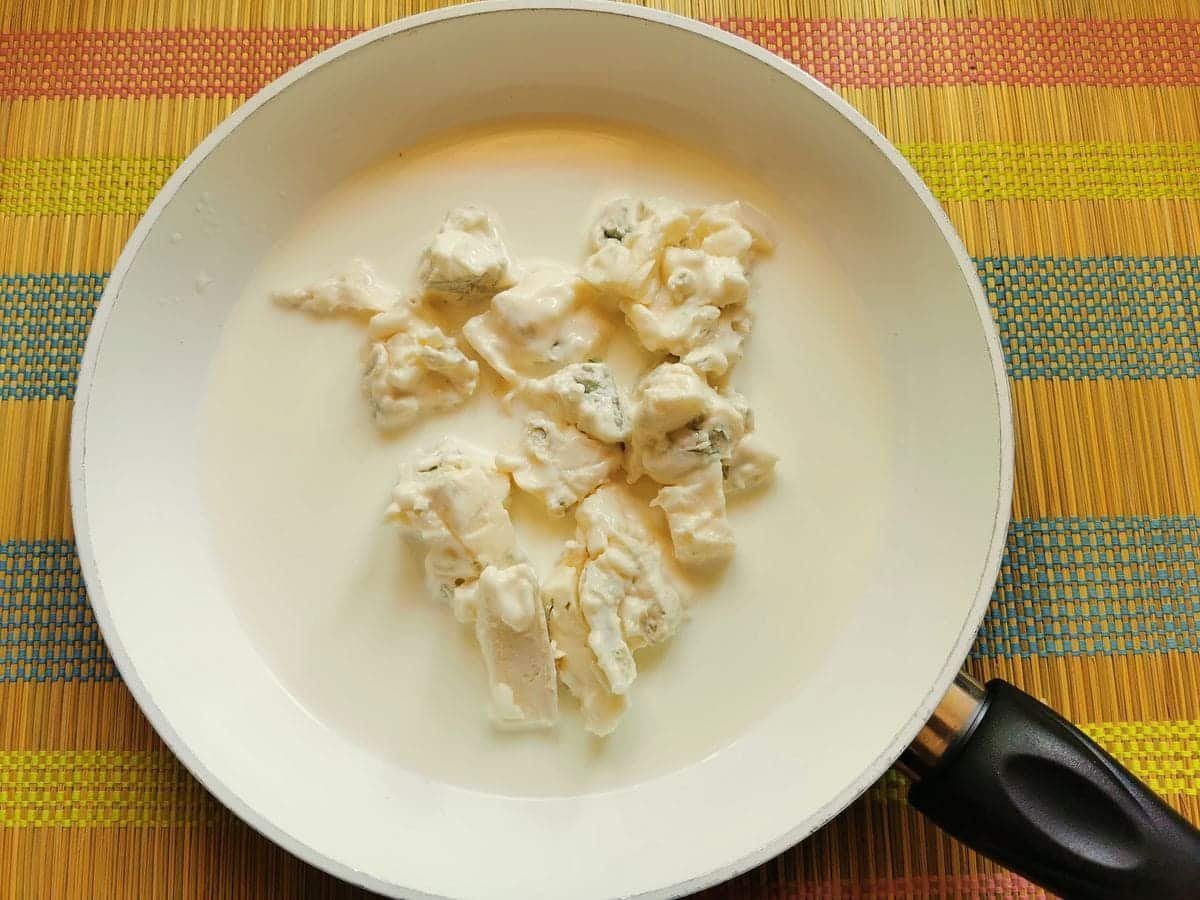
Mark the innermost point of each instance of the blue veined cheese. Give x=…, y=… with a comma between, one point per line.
x=587, y=396
x=542, y=323
x=697, y=442
x=358, y=291
x=722, y=347
x=679, y=275
x=558, y=464
x=681, y=424
x=695, y=511
x=624, y=594
x=681, y=314
x=732, y=229
x=467, y=260
x=750, y=465
x=627, y=242
x=510, y=626
x=412, y=367
x=578, y=668
x=450, y=503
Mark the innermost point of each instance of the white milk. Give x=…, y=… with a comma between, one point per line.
x=297, y=477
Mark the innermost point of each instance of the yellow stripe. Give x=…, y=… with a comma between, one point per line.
x=1165, y=755
x=104, y=788
x=89, y=788
x=1096, y=170
x=54, y=15
x=96, y=185
x=169, y=128
x=996, y=228
x=984, y=170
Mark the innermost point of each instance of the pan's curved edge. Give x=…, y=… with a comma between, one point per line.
x=78, y=450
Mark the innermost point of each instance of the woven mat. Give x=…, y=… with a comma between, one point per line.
x=1063, y=139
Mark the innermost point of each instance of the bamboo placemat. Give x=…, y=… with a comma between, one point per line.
x=1064, y=140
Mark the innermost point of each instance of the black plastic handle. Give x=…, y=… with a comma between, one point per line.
x=1034, y=793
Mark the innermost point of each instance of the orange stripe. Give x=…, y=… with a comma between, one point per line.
x=871, y=52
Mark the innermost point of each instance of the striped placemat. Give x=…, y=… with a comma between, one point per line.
x=1062, y=137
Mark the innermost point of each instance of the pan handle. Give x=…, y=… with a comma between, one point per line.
x=1011, y=778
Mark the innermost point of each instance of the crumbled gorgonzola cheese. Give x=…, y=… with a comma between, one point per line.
x=578, y=667
x=413, y=368
x=558, y=464
x=625, y=596
x=540, y=324
x=750, y=465
x=680, y=277
x=695, y=511
x=450, y=503
x=587, y=396
x=681, y=424
x=467, y=260
x=510, y=626
x=357, y=290
x=697, y=441
x=675, y=272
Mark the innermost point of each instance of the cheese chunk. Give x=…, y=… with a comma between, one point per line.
x=412, y=368
x=695, y=511
x=537, y=326
x=450, y=502
x=587, y=396
x=677, y=273
x=682, y=313
x=680, y=277
x=624, y=594
x=750, y=465
x=577, y=665
x=510, y=625
x=627, y=241
x=358, y=291
x=720, y=348
x=558, y=464
x=467, y=260
x=731, y=229
x=681, y=424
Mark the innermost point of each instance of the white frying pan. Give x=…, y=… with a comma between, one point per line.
x=997, y=769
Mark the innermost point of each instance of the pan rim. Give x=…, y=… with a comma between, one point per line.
x=974, y=613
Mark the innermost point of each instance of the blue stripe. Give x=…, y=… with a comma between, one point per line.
x=1067, y=587
x=1096, y=317
x=47, y=630
x=1130, y=317
x=1096, y=587
x=44, y=320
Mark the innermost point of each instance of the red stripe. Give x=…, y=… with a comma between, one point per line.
x=841, y=52
x=887, y=52
x=174, y=63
